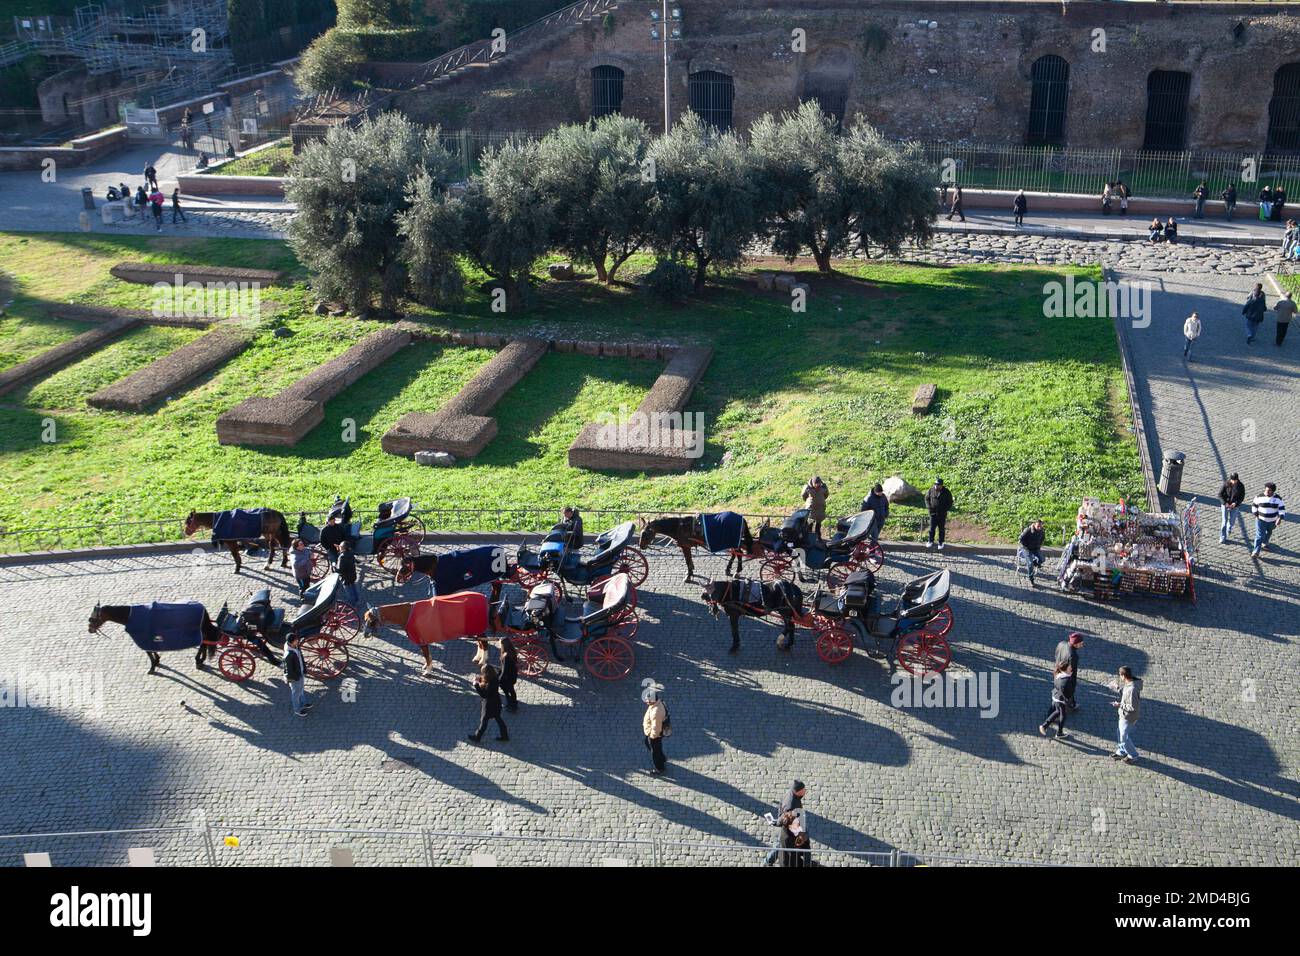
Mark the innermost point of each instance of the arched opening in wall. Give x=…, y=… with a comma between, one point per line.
x=1167, y=93
x=711, y=97
x=1050, y=88
x=1284, y=109
x=606, y=91
x=829, y=92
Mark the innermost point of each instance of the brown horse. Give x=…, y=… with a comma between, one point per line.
x=118, y=614
x=685, y=533
x=275, y=530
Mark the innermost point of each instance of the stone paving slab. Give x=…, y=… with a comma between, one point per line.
x=1218, y=785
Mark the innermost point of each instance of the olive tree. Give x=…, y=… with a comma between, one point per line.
x=707, y=197
x=604, y=196
x=828, y=193
x=350, y=190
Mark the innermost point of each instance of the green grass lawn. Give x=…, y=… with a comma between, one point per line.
x=1031, y=413
x=272, y=161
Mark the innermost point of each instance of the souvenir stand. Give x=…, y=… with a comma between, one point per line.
x=1118, y=549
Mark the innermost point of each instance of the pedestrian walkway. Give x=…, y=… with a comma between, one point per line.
x=1241, y=230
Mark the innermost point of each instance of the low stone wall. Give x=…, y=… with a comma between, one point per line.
x=1044, y=203
x=102, y=314
x=286, y=418
x=648, y=447
x=65, y=353
x=150, y=273
x=170, y=374
x=81, y=151
x=463, y=427
x=196, y=184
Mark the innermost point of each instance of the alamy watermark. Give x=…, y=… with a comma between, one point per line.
x=54, y=690
x=976, y=691
x=206, y=300
x=1093, y=298
x=684, y=430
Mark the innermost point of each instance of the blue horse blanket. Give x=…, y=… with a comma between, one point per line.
x=242, y=524
x=722, y=531
x=166, y=627
x=468, y=568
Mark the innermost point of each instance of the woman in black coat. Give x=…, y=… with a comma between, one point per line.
x=509, y=673
x=487, y=687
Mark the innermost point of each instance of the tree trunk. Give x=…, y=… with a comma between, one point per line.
x=599, y=262
x=823, y=259
x=701, y=268
x=614, y=266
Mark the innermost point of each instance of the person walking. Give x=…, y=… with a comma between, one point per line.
x=1284, y=311
x=509, y=671
x=938, y=502
x=878, y=505
x=295, y=670
x=1060, y=680
x=156, y=204
x=302, y=566
x=1067, y=652
x=142, y=203
x=955, y=209
x=1191, y=332
x=1130, y=697
x=796, y=848
x=1269, y=511
x=176, y=206
x=1200, y=194
x=814, y=496
x=791, y=807
x=1031, y=547
x=488, y=688
x=655, y=727
x=1231, y=494
x=150, y=176
x=1229, y=197
x=347, y=569
x=1020, y=206
x=1254, y=310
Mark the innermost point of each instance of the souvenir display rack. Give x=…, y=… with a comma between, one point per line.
x=1117, y=550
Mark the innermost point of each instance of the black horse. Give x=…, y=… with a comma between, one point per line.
x=754, y=598
x=685, y=532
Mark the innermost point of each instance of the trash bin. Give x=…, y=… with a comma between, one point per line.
x=1171, y=474
x=87, y=198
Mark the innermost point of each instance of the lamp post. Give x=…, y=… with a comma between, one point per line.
x=667, y=26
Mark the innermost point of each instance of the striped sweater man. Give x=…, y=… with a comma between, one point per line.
x=1268, y=510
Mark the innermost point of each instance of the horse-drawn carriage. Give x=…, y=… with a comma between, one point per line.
x=793, y=551
x=395, y=536
x=556, y=561
x=437, y=620
x=916, y=626
x=599, y=629
x=326, y=627
x=724, y=532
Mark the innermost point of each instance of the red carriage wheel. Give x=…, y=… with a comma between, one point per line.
x=869, y=556
x=533, y=658
x=779, y=567
x=834, y=644
x=624, y=624
x=397, y=550
x=609, y=658
x=324, y=657
x=924, y=652
x=528, y=579
x=633, y=563
x=412, y=524
x=941, y=623
x=837, y=575
x=236, y=661
x=320, y=563
x=341, y=622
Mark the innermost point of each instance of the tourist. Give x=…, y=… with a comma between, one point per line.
x=176, y=206
x=1266, y=203
x=332, y=536
x=302, y=561
x=571, y=526
x=1171, y=231
x=814, y=496
x=943, y=198
x=150, y=175
x=1107, y=197
x=938, y=502
x=1067, y=652
x=1269, y=511
x=156, y=201
x=1200, y=194
x=795, y=844
x=142, y=203
x=509, y=671
x=1031, y=547
x=1279, y=204
x=1231, y=494
x=203, y=161
x=1060, y=680
x=1229, y=197
x=1254, y=310
x=1130, y=691
x=1191, y=332
x=295, y=669
x=655, y=727
x=1019, y=205
x=1288, y=238
x=1285, y=312
x=1122, y=191
x=112, y=195
x=792, y=805
x=187, y=135
x=878, y=505
x=955, y=209
x=487, y=687
x=1156, y=231
x=347, y=569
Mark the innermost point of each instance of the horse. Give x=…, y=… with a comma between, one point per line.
x=733, y=597
x=397, y=615
x=427, y=565
x=686, y=534
x=118, y=614
x=275, y=530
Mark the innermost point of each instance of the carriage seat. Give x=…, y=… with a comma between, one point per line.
x=794, y=530
x=858, y=589
x=922, y=597
x=852, y=531
x=611, y=544
x=608, y=596
x=391, y=512
x=594, y=617
x=829, y=604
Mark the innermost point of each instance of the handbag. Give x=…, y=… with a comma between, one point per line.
x=667, y=730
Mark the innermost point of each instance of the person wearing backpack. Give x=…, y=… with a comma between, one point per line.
x=656, y=726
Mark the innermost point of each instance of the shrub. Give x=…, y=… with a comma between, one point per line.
x=331, y=62
x=669, y=281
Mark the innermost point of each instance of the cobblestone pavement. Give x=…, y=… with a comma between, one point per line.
x=1217, y=784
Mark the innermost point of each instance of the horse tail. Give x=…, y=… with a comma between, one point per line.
x=283, y=532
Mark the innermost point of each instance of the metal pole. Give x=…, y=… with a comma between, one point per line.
x=664, y=27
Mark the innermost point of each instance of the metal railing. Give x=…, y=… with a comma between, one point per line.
x=218, y=843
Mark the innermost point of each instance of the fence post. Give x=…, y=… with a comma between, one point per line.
x=428, y=848
x=201, y=826
x=893, y=857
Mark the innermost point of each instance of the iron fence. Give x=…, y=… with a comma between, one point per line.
x=215, y=843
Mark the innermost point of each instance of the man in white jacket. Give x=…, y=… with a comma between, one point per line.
x=1191, y=332
x=1130, y=696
